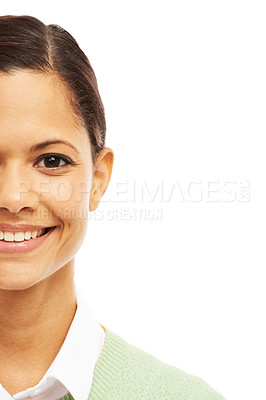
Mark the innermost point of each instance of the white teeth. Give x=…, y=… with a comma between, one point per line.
x=27, y=235
x=20, y=236
x=9, y=236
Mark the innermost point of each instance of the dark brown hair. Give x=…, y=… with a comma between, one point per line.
x=27, y=43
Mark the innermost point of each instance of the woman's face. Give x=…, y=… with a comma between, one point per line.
x=42, y=190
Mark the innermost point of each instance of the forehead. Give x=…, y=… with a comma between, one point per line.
x=35, y=106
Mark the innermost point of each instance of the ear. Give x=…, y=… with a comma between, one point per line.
x=101, y=176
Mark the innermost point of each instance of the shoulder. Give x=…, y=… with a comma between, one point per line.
x=135, y=374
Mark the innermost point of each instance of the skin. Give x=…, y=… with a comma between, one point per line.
x=37, y=295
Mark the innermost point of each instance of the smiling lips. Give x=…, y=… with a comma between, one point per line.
x=19, y=238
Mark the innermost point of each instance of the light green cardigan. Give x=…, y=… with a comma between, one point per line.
x=124, y=372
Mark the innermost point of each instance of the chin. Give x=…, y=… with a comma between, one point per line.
x=16, y=284
x=17, y=278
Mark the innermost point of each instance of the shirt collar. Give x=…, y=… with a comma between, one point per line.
x=76, y=360
x=74, y=364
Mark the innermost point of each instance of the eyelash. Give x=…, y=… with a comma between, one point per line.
x=64, y=158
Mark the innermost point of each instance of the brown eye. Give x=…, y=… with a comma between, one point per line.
x=53, y=161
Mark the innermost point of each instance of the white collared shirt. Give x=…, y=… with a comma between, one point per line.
x=72, y=369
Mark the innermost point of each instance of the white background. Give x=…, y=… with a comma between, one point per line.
x=183, y=84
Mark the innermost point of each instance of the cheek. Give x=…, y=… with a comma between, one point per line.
x=69, y=198
x=68, y=202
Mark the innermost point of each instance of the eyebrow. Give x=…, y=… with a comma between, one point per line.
x=52, y=141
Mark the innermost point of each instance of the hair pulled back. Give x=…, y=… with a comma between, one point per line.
x=27, y=43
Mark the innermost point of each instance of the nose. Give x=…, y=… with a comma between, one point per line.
x=16, y=191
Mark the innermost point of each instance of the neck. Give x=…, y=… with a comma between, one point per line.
x=33, y=325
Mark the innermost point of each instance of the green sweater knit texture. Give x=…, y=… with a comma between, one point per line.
x=124, y=372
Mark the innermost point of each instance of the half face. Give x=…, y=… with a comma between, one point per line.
x=47, y=179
